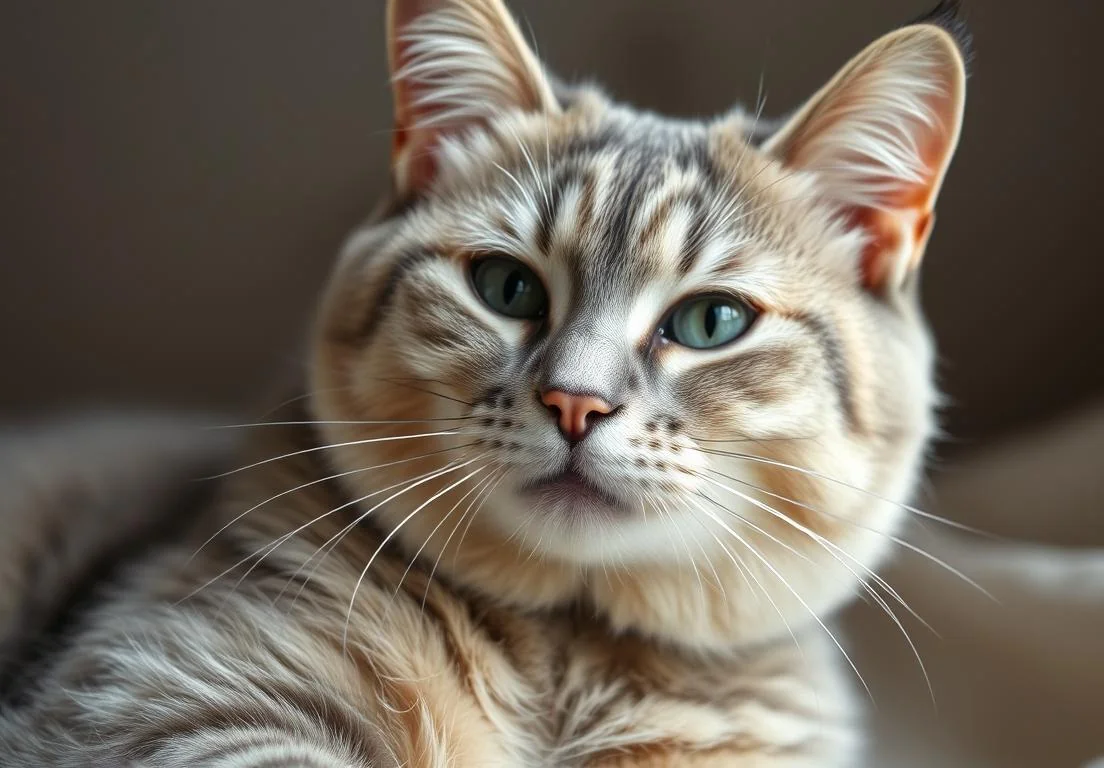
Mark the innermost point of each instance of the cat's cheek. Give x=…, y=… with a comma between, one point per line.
x=434, y=334
x=468, y=361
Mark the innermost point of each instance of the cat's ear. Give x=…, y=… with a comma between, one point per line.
x=880, y=136
x=454, y=64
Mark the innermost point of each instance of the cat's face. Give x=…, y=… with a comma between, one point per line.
x=613, y=347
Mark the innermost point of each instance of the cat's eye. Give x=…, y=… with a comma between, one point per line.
x=704, y=322
x=509, y=287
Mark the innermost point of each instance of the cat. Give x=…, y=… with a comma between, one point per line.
x=605, y=414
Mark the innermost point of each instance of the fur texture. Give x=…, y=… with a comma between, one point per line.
x=420, y=569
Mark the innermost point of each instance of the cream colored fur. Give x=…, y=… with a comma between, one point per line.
x=381, y=581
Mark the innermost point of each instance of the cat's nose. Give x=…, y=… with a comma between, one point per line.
x=575, y=414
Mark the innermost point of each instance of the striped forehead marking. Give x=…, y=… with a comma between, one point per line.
x=640, y=215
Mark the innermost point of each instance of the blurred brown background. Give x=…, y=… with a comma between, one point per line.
x=175, y=177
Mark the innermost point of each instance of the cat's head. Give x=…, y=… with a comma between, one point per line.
x=666, y=369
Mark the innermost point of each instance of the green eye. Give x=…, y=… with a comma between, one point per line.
x=708, y=321
x=509, y=287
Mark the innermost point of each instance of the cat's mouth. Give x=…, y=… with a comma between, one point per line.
x=572, y=487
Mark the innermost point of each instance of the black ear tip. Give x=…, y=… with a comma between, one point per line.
x=947, y=15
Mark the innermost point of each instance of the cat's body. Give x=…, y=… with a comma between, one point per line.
x=244, y=669
x=603, y=420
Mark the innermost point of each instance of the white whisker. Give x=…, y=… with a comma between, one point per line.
x=475, y=513
x=273, y=545
x=895, y=539
x=482, y=484
x=767, y=564
x=832, y=549
x=475, y=487
x=845, y=484
x=330, y=446
x=391, y=534
x=334, y=540
x=738, y=563
x=332, y=543
x=326, y=423
x=315, y=482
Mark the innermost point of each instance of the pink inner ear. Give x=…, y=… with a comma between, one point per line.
x=412, y=148
x=896, y=241
x=900, y=226
x=455, y=64
x=420, y=164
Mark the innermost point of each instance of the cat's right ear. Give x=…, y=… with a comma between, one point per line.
x=455, y=64
x=880, y=136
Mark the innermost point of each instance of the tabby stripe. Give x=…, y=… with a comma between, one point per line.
x=587, y=197
x=550, y=207
x=386, y=295
x=625, y=207
x=837, y=364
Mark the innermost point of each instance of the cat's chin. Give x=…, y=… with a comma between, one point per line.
x=574, y=519
x=571, y=495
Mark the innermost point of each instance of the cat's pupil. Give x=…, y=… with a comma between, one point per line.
x=711, y=320
x=514, y=285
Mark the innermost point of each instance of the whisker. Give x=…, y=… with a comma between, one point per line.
x=845, y=484
x=330, y=544
x=766, y=563
x=828, y=545
x=432, y=533
x=321, y=480
x=475, y=513
x=745, y=214
x=303, y=396
x=944, y=565
x=780, y=439
x=275, y=544
x=741, y=567
x=532, y=166
x=719, y=219
x=405, y=381
x=895, y=539
x=521, y=187
x=334, y=541
x=664, y=512
x=758, y=529
x=484, y=483
x=349, y=423
x=544, y=109
x=660, y=512
x=391, y=534
x=832, y=548
x=329, y=446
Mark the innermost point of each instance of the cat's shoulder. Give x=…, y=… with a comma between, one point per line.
x=77, y=496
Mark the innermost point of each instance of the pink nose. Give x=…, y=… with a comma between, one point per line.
x=574, y=413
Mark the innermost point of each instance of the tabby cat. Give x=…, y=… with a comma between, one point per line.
x=606, y=414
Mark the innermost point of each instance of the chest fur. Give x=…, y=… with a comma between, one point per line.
x=495, y=687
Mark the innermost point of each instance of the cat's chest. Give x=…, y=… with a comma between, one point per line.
x=449, y=680
x=540, y=692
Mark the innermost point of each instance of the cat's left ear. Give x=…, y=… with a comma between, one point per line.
x=880, y=137
x=454, y=64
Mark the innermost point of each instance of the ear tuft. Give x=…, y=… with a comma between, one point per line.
x=947, y=15
x=454, y=64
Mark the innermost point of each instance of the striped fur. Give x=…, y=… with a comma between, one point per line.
x=380, y=584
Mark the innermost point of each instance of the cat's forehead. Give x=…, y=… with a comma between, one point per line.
x=630, y=200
